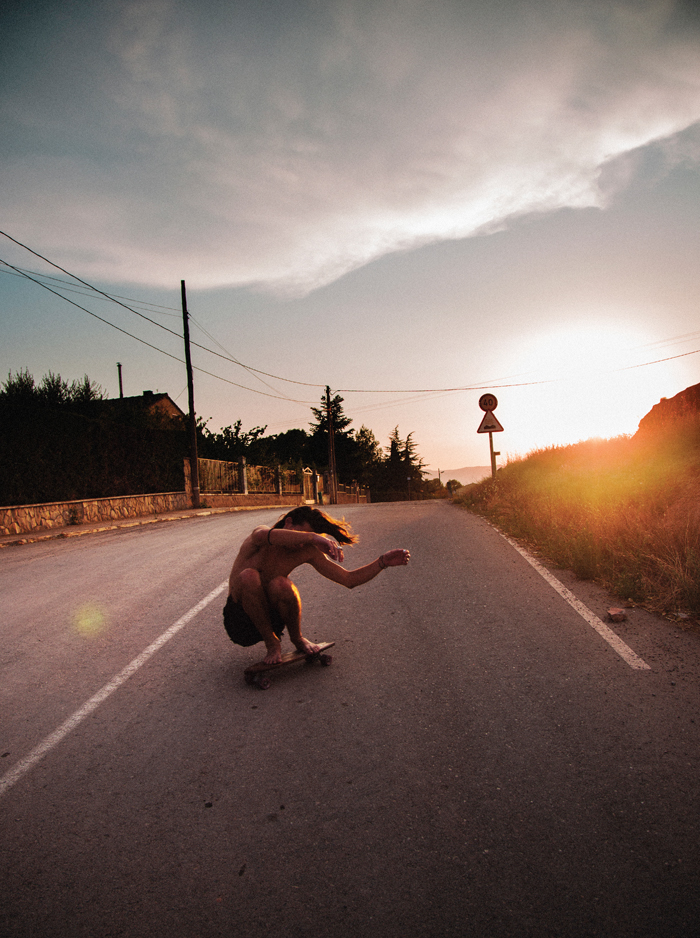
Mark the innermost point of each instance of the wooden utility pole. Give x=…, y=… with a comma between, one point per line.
x=331, y=449
x=121, y=388
x=194, y=465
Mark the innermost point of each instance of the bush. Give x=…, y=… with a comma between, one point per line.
x=624, y=512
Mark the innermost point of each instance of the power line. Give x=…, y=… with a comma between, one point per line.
x=129, y=308
x=229, y=358
x=216, y=342
x=658, y=361
x=218, y=354
x=468, y=387
x=90, y=313
x=65, y=285
x=671, y=340
x=144, y=342
x=85, y=284
x=65, y=288
x=494, y=387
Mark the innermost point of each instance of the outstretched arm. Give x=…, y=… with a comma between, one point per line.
x=353, y=578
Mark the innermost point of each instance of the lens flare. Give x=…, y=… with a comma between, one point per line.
x=89, y=620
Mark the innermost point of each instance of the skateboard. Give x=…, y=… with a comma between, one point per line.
x=256, y=673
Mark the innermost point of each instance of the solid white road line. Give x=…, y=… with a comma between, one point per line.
x=20, y=769
x=615, y=642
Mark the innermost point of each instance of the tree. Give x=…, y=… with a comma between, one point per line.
x=52, y=392
x=404, y=458
x=289, y=449
x=19, y=388
x=342, y=438
x=400, y=471
x=229, y=444
x=338, y=418
x=62, y=441
x=368, y=455
x=433, y=488
x=412, y=462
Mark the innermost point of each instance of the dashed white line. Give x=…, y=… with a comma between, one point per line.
x=615, y=642
x=20, y=769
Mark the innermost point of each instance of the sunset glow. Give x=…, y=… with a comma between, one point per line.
x=592, y=384
x=393, y=198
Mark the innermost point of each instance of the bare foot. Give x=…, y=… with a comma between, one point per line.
x=307, y=647
x=274, y=654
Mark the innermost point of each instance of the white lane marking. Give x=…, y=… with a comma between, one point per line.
x=615, y=642
x=21, y=768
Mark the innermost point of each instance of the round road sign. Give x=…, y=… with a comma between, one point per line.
x=488, y=402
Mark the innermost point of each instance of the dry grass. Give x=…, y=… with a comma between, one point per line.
x=624, y=512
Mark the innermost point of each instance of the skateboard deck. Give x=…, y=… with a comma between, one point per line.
x=257, y=673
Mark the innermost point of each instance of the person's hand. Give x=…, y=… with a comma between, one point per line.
x=331, y=547
x=396, y=558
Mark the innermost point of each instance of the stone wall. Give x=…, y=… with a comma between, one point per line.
x=21, y=519
x=346, y=498
x=24, y=519
x=213, y=500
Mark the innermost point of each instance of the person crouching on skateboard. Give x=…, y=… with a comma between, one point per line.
x=262, y=600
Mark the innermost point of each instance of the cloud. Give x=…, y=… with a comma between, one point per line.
x=283, y=151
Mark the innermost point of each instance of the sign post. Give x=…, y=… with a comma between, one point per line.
x=488, y=403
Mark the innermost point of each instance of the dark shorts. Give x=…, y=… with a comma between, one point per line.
x=240, y=627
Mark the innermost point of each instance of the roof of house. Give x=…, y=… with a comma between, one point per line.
x=154, y=403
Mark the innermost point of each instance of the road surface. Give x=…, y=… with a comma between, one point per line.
x=478, y=760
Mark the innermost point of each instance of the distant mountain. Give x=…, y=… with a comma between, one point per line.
x=466, y=475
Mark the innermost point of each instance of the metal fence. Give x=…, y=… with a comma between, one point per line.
x=238, y=478
x=218, y=476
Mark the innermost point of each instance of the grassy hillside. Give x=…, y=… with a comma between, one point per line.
x=624, y=512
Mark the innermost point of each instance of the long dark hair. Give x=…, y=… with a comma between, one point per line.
x=320, y=522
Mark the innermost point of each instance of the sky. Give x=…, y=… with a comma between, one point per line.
x=410, y=201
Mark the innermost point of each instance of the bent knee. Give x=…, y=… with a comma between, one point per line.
x=281, y=589
x=249, y=579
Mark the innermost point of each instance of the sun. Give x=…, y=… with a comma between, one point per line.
x=589, y=380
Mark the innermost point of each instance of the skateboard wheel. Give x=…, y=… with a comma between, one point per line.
x=326, y=660
x=263, y=682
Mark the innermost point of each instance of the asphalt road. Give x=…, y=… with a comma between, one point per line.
x=476, y=761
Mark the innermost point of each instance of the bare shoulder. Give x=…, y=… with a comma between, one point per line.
x=259, y=536
x=255, y=542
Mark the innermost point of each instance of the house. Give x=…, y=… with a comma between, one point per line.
x=148, y=402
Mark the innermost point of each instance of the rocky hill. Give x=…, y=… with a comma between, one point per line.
x=670, y=410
